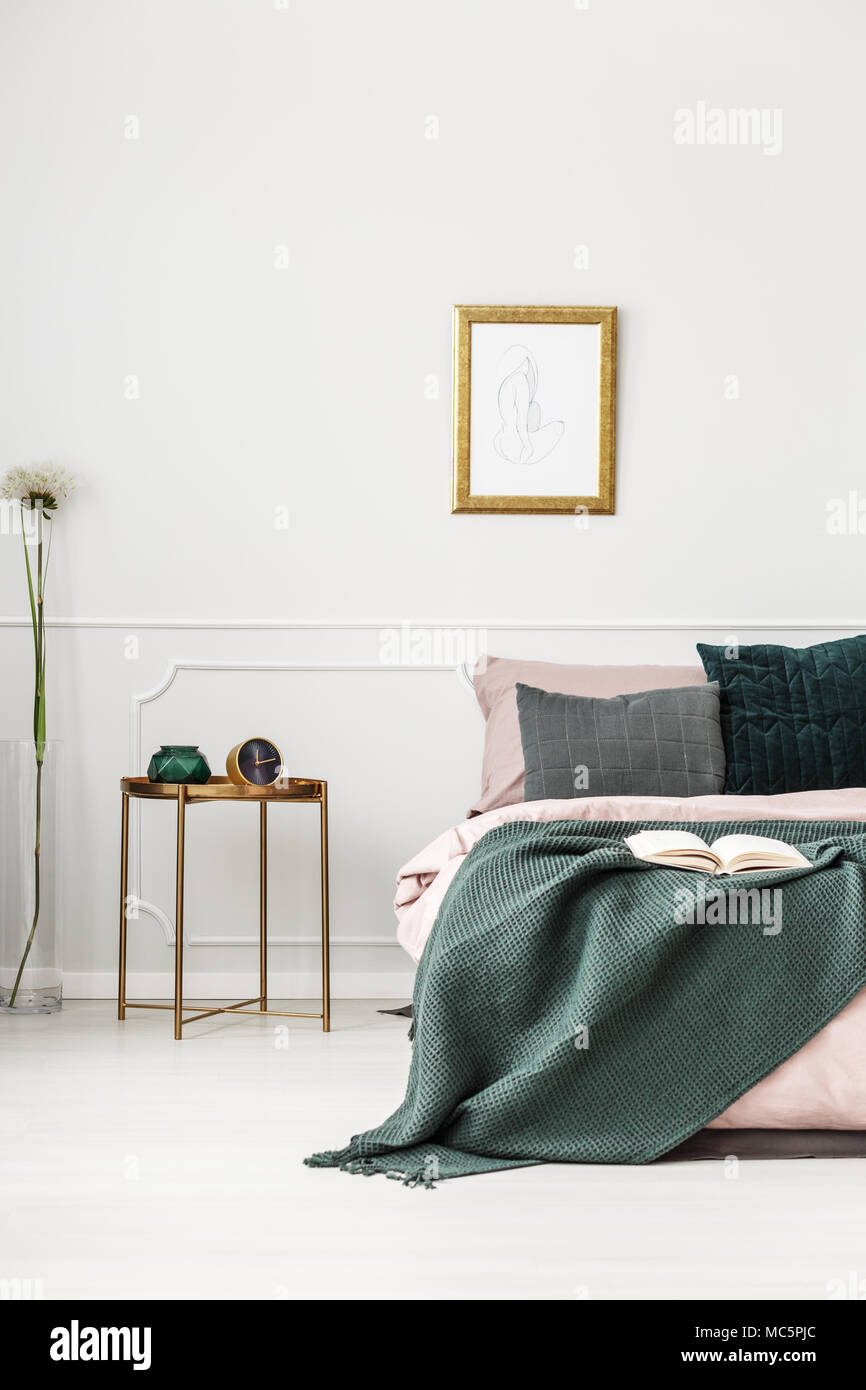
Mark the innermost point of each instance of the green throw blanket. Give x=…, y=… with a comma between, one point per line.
x=565, y=1012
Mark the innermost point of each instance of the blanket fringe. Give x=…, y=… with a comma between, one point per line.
x=414, y=1180
x=331, y=1158
x=347, y=1162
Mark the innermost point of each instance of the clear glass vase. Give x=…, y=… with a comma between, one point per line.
x=31, y=980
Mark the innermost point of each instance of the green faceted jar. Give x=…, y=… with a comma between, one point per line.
x=178, y=762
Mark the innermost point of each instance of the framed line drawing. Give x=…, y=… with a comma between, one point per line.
x=533, y=409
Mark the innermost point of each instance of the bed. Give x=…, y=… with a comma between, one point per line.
x=547, y=884
x=823, y=1086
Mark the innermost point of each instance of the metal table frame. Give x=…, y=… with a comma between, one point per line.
x=295, y=789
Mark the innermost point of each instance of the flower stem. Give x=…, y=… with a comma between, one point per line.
x=36, y=881
x=37, y=610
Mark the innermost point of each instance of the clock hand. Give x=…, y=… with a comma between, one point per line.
x=260, y=762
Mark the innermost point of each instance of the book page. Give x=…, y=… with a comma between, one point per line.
x=759, y=847
x=646, y=842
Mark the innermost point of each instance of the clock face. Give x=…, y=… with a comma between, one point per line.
x=260, y=761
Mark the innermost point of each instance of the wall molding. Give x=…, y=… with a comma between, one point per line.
x=350, y=625
x=175, y=666
x=138, y=904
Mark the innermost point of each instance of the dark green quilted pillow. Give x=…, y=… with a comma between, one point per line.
x=793, y=718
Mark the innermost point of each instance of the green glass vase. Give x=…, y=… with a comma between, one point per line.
x=178, y=762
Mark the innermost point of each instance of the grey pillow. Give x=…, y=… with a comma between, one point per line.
x=652, y=743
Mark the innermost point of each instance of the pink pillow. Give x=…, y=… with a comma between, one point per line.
x=495, y=681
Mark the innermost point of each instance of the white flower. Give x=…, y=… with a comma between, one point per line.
x=42, y=484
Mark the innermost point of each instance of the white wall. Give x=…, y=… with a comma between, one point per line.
x=262, y=127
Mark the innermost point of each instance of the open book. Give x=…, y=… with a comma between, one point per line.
x=732, y=854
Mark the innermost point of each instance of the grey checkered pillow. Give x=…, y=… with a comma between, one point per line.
x=653, y=743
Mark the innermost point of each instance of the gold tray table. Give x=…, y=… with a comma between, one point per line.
x=291, y=789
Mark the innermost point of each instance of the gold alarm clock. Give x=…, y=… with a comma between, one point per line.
x=255, y=763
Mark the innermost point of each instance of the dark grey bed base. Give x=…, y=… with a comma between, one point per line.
x=769, y=1143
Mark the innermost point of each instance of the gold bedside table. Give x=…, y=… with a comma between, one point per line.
x=292, y=789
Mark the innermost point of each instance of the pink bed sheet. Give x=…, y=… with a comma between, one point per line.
x=823, y=1086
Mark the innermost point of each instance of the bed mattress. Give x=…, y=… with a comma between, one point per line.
x=823, y=1086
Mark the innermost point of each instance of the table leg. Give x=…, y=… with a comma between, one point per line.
x=326, y=964
x=263, y=905
x=124, y=883
x=178, y=916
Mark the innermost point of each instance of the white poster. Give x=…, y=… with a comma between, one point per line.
x=534, y=420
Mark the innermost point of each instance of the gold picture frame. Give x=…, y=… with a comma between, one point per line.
x=463, y=499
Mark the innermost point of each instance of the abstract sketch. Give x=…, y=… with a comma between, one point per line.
x=522, y=437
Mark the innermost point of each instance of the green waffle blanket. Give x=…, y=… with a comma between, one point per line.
x=566, y=1013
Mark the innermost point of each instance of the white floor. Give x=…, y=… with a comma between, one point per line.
x=137, y=1167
